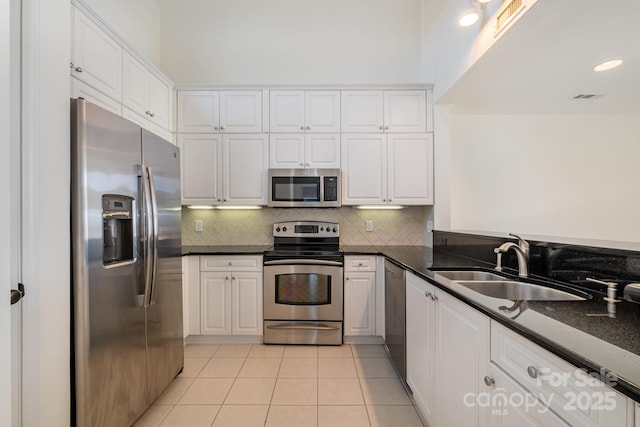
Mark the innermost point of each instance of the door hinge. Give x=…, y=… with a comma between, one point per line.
x=17, y=295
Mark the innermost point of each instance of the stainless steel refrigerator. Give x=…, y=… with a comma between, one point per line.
x=126, y=266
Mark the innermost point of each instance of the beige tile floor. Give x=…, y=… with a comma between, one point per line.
x=269, y=385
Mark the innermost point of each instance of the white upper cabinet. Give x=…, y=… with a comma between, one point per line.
x=219, y=111
x=144, y=93
x=387, y=169
x=299, y=151
x=201, y=168
x=80, y=89
x=304, y=111
x=384, y=111
x=96, y=58
x=405, y=111
x=362, y=111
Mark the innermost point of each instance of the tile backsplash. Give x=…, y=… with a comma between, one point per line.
x=254, y=227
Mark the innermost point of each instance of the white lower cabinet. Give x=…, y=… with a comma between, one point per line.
x=360, y=295
x=231, y=295
x=637, y=414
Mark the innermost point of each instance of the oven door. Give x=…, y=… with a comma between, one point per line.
x=303, y=290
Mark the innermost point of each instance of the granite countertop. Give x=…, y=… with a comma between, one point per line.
x=577, y=331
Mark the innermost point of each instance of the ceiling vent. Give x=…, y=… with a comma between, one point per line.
x=508, y=12
x=588, y=96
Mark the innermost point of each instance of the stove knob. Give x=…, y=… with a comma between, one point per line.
x=284, y=228
x=277, y=229
x=335, y=229
x=321, y=228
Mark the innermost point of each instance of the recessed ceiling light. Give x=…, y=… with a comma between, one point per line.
x=469, y=18
x=608, y=65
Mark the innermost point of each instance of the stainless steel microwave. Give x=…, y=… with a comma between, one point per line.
x=304, y=188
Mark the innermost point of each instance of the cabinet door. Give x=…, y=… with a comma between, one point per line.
x=80, y=89
x=135, y=85
x=322, y=151
x=362, y=111
x=241, y=111
x=245, y=164
x=159, y=102
x=322, y=111
x=405, y=111
x=364, y=169
x=198, y=111
x=420, y=339
x=286, y=111
x=96, y=57
x=201, y=168
x=191, y=295
x=246, y=305
x=410, y=173
x=286, y=150
x=360, y=303
x=462, y=358
x=215, y=309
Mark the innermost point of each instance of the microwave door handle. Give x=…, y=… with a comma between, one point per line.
x=154, y=237
x=147, y=228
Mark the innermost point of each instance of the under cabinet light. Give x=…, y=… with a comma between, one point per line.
x=608, y=65
x=200, y=206
x=238, y=207
x=380, y=207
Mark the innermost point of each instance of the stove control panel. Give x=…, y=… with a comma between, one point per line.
x=306, y=229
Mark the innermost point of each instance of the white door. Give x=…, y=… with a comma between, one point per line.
x=10, y=315
x=360, y=303
x=246, y=303
x=286, y=150
x=135, y=85
x=96, y=57
x=405, y=111
x=245, y=165
x=362, y=111
x=159, y=101
x=322, y=150
x=241, y=111
x=364, y=169
x=215, y=308
x=322, y=111
x=198, y=111
x=201, y=168
x=410, y=176
x=286, y=111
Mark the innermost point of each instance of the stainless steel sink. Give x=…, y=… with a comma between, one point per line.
x=497, y=286
x=470, y=275
x=518, y=291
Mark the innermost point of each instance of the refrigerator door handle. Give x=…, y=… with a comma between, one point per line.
x=154, y=237
x=147, y=228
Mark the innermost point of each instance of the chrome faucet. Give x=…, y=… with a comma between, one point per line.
x=522, y=253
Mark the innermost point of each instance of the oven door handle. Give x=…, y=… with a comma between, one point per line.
x=304, y=327
x=304, y=261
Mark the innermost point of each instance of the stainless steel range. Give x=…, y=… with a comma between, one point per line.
x=303, y=284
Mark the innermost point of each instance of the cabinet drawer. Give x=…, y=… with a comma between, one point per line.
x=235, y=263
x=573, y=394
x=360, y=263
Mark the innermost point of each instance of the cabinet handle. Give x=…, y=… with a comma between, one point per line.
x=428, y=294
x=148, y=113
x=78, y=69
x=533, y=371
x=434, y=297
x=489, y=381
x=152, y=114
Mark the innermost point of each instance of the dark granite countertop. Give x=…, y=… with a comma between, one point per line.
x=577, y=331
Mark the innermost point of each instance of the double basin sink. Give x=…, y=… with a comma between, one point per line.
x=497, y=286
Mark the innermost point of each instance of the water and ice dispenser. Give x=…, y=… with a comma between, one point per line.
x=117, y=225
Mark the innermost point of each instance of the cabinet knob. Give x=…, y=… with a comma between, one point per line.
x=301, y=164
x=224, y=200
x=148, y=113
x=70, y=64
x=215, y=128
x=359, y=264
x=221, y=127
x=346, y=278
x=152, y=114
x=233, y=278
x=230, y=263
x=489, y=381
x=427, y=294
x=386, y=128
x=380, y=127
x=308, y=127
x=533, y=371
x=218, y=200
x=226, y=277
x=384, y=200
x=307, y=163
x=78, y=69
x=389, y=199
x=301, y=127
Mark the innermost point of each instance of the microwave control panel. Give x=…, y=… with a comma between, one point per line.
x=330, y=188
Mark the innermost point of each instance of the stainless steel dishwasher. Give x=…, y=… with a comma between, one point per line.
x=395, y=317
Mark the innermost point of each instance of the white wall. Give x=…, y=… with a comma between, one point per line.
x=138, y=22
x=291, y=41
x=568, y=176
